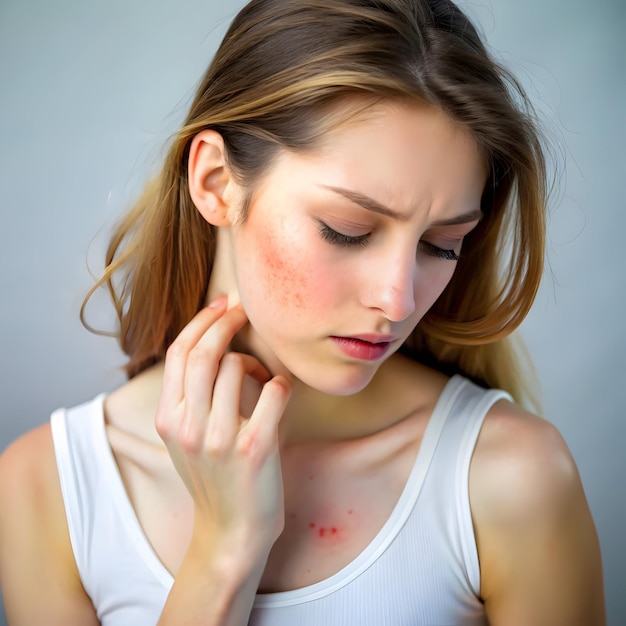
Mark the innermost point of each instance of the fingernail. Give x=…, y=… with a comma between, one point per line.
x=218, y=303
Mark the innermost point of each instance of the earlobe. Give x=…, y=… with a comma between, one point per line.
x=209, y=177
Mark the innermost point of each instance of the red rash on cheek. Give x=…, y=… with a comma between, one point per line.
x=285, y=273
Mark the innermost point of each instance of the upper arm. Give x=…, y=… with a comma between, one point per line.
x=539, y=553
x=38, y=575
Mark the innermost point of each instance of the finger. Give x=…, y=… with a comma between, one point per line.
x=172, y=389
x=270, y=407
x=204, y=359
x=176, y=357
x=224, y=421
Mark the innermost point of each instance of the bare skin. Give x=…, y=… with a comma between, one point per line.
x=518, y=553
x=223, y=446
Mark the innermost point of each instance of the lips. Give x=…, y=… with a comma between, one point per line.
x=367, y=347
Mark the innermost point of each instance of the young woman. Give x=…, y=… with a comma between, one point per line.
x=316, y=296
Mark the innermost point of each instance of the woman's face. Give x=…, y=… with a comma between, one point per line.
x=345, y=249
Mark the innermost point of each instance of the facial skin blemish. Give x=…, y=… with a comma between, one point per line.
x=283, y=273
x=350, y=512
x=333, y=531
x=311, y=477
x=322, y=532
x=311, y=525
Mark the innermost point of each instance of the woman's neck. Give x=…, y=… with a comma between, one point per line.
x=398, y=388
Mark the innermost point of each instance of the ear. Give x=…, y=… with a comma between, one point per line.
x=210, y=181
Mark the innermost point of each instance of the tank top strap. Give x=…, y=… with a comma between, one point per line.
x=445, y=492
x=75, y=440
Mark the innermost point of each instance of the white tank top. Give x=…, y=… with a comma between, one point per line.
x=421, y=569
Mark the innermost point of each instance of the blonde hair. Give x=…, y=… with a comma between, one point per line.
x=279, y=72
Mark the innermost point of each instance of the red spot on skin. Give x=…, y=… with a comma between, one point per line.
x=330, y=534
x=308, y=571
x=350, y=512
x=311, y=477
x=293, y=516
x=284, y=273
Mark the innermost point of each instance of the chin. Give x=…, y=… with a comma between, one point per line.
x=340, y=381
x=330, y=376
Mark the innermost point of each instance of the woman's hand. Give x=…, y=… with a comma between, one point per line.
x=230, y=464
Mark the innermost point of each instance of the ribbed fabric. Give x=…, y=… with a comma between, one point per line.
x=421, y=569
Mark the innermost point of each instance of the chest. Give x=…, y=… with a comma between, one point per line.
x=336, y=502
x=333, y=511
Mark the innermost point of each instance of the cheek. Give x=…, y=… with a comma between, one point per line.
x=281, y=273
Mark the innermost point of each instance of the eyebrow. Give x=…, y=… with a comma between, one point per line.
x=372, y=205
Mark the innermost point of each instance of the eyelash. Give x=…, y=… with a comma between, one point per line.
x=339, y=239
x=440, y=253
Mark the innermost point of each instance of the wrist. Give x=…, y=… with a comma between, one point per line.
x=233, y=558
x=212, y=590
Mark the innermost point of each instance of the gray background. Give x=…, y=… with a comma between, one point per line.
x=89, y=92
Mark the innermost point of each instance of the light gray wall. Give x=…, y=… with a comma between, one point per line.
x=88, y=94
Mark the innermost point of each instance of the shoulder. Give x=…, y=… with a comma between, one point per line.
x=519, y=450
x=34, y=541
x=538, y=549
x=30, y=498
x=27, y=469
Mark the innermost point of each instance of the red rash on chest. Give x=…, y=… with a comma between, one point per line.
x=324, y=531
x=329, y=533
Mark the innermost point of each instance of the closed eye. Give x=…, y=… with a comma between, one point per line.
x=439, y=253
x=340, y=239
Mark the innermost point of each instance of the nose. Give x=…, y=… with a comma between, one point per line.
x=391, y=287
